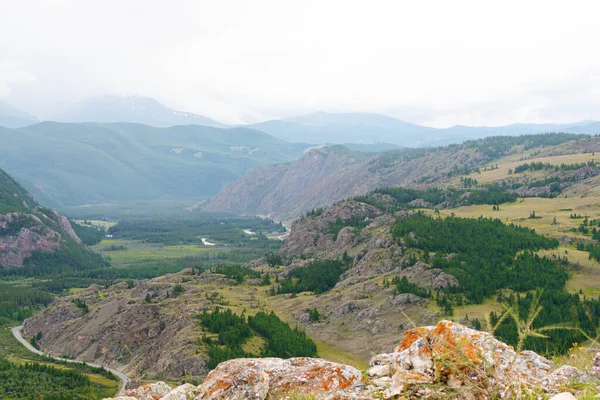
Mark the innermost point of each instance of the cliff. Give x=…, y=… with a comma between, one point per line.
x=27, y=228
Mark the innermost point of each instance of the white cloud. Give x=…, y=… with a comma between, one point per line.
x=443, y=62
x=13, y=74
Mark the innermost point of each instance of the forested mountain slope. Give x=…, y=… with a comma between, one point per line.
x=71, y=164
x=35, y=237
x=326, y=175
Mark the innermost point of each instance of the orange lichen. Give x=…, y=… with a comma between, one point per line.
x=445, y=344
x=220, y=385
x=311, y=377
x=410, y=337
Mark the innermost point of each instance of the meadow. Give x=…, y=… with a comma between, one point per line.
x=493, y=174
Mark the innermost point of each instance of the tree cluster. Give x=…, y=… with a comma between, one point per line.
x=483, y=254
x=233, y=330
x=318, y=277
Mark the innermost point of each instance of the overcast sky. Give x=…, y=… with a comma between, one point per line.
x=433, y=62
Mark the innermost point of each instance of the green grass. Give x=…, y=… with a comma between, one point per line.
x=519, y=211
x=328, y=351
x=511, y=162
x=137, y=253
x=96, y=223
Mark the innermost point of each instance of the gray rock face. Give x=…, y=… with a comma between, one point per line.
x=309, y=236
x=66, y=227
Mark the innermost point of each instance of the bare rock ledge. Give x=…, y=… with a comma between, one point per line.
x=445, y=360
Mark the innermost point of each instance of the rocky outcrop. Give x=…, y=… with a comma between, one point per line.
x=144, y=330
x=26, y=227
x=447, y=360
x=464, y=361
x=64, y=225
x=23, y=234
x=255, y=379
x=310, y=236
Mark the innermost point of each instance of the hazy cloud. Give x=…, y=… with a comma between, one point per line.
x=13, y=74
x=437, y=62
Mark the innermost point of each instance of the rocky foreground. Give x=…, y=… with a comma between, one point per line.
x=447, y=360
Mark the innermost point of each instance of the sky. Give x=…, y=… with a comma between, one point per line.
x=437, y=63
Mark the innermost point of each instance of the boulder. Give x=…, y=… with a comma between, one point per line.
x=151, y=391
x=261, y=378
x=447, y=360
x=463, y=360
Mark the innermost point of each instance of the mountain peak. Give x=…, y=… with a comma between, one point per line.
x=132, y=108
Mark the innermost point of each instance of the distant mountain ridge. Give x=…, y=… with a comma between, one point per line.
x=322, y=127
x=317, y=128
x=11, y=117
x=71, y=164
x=134, y=109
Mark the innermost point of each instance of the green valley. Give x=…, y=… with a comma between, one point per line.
x=104, y=163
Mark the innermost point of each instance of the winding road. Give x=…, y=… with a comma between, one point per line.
x=16, y=332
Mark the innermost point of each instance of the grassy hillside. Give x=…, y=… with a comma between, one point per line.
x=70, y=164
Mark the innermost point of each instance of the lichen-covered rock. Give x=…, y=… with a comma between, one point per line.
x=460, y=357
x=447, y=360
x=257, y=379
x=185, y=392
x=153, y=391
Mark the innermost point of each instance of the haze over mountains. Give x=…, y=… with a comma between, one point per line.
x=315, y=128
x=115, y=148
x=371, y=128
x=12, y=117
x=136, y=109
x=70, y=164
